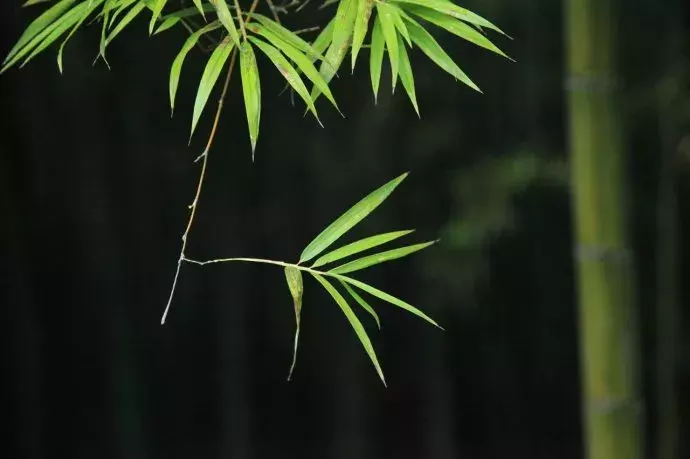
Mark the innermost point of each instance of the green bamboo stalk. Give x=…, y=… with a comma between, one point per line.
x=609, y=346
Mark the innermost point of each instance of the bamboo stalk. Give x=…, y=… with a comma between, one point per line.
x=609, y=353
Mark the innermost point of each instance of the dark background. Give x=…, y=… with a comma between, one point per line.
x=94, y=182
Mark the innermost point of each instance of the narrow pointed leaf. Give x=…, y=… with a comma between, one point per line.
x=376, y=58
x=349, y=219
x=34, y=2
x=226, y=19
x=176, y=68
x=251, y=89
x=406, y=76
x=354, y=322
x=433, y=50
x=288, y=72
x=200, y=7
x=167, y=23
x=362, y=303
x=123, y=5
x=38, y=25
x=208, y=80
x=293, y=277
x=324, y=38
x=129, y=17
x=342, y=38
x=156, y=11
x=359, y=246
x=364, y=8
x=303, y=62
x=192, y=11
x=456, y=27
x=387, y=297
x=48, y=36
x=91, y=6
x=450, y=8
x=288, y=36
x=385, y=15
x=400, y=26
x=378, y=258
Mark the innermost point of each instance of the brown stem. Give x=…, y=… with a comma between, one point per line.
x=202, y=174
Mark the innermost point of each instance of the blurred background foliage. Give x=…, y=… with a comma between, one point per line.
x=94, y=183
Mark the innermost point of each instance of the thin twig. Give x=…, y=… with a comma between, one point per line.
x=202, y=174
x=258, y=260
x=200, y=185
x=240, y=19
x=274, y=11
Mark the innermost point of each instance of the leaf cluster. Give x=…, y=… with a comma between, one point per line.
x=392, y=27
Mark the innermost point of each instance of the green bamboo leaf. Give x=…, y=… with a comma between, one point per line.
x=49, y=35
x=34, y=2
x=456, y=27
x=303, y=62
x=397, y=15
x=122, y=6
x=226, y=19
x=450, y=8
x=91, y=6
x=387, y=298
x=288, y=36
x=129, y=17
x=157, y=9
x=191, y=11
x=200, y=7
x=209, y=78
x=288, y=72
x=167, y=23
x=359, y=246
x=362, y=303
x=354, y=322
x=376, y=57
x=324, y=38
x=293, y=277
x=406, y=75
x=349, y=219
x=176, y=68
x=364, y=8
x=433, y=50
x=386, y=18
x=38, y=25
x=342, y=37
x=378, y=258
x=251, y=88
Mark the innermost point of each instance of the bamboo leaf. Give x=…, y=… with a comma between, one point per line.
x=362, y=303
x=293, y=277
x=387, y=297
x=376, y=57
x=226, y=19
x=288, y=36
x=378, y=258
x=324, y=38
x=349, y=219
x=92, y=5
x=364, y=8
x=288, y=72
x=34, y=2
x=47, y=37
x=123, y=5
x=406, y=75
x=385, y=16
x=450, y=8
x=397, y=15
x=354, y=322
x=342, y=37
x=359, y=246
x=303, y=62
x=156, y=11
x=200, y=7
x=129, y=17
x=209, y=78
x=251, y=88
x=176, y=68
x=433, y=50
x=167, y=23
x=38, y=25
x=456, y=27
